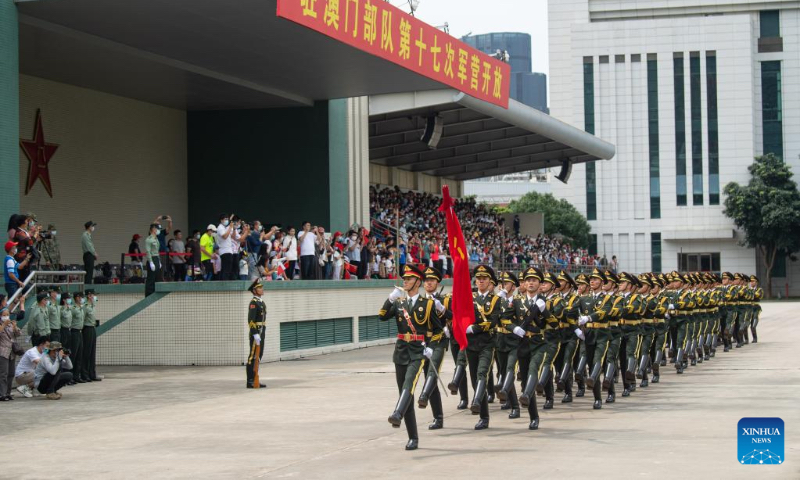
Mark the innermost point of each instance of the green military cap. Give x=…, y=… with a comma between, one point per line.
x=41, y=296
x=533, y=272
x=89, y=292
x=412, y=271
x=550, y=278
x=597, y=273
x=739, y=276
x=753, y=278
x=627, y=277
x=509, y=277
x=55, y=289
x=582, y=278
x=485, y=271
x=433, y=273
x=611, y=277
x=564, y=277
x=645, y=280
x=662, y=279
x=674, y=276
x=727, y=275
x=55, y=346
x=256, y=283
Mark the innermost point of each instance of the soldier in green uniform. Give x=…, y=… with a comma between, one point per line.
x=480, y=348
x=507, y=339
x=38, y=324
x=458, y=385
x=54, y=315
x=89, y=338
x=533, y=346
x=680, y=306
x=569, y=338
x=615, y=332
x=554, y=322
x=66, y=322
x=758, y=294
x=661, y=325
x=257, y=327
x=728, y=310
x=152, y=260
x=648, y=326
x=585, y=305
x=415, y=317
x=746, y=296
x=630, y=327
x=694, y=317
x=437, y=341
x=597, y=337
x=76, y=337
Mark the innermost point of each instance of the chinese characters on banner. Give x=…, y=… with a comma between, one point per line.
x=381, y=29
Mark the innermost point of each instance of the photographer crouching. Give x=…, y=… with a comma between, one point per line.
x=50, y=374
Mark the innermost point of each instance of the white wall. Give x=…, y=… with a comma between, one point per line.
x=120, y=162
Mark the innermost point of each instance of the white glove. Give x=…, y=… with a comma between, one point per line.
x=580, y=334
x=502, y=293
x=439, y=306
x=541, y=305
x=519, y=331
x=152, y=267
x=396, y=294
x=668, y=316
x=671, y=306
x=446, y=332
x=257, y=339
x=583, y=319
x=428, y=352
x=471, y=329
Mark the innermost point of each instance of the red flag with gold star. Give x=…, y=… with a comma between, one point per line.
x=39, y=154
x=463, y=311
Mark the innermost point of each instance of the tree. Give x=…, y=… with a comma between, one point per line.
x=768, y=210
x=559, y=216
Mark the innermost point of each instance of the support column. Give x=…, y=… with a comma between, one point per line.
x=9, y=109
x=349, y=162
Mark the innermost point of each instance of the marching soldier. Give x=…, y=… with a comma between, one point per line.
x=612, y=357
x=437, y=341
x=729, y=312
x=597, y=337
x=680, y=310
x=661, y=325
x=569, y=340
x=415, y=317
x=554, y=304
x=533, y=348
x=747, y=294
x=630, y=327
x=507, y=341
x=256, y=324
x=585, y=306
x=758, y=294
x=648, y=326
x=480, y=350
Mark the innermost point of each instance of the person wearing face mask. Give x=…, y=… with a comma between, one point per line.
x=225, y=243
x=153, y=261
x=89, y=253
x=52, y=371
x=193, y=260
x=89, y=338
x=26, y=237
x=76, y=337
x=54, y=314
x=38, y=325
x=176, y=245
x=66, y=319
x=9, y=332
x=11, y=270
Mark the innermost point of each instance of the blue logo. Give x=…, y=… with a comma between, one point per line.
x=761, y=441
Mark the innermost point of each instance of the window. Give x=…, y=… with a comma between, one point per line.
x=592, y=244
x=713, y=129
x=655, y=252
x=697, y=129
x=771, y=110
x=698, y=262
x=652, y=125
x=588, y=120
x=770, y=23
x=680, y=130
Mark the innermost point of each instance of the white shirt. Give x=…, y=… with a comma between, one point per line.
x=26, y=364
x=290, y=244
x=225, y=244
x=307, y=243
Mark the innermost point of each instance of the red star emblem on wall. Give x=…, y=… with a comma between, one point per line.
x=39, y=154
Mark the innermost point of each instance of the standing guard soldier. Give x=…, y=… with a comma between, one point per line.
x=648, y=326
x=480, y=350
x=630, y=327
x=612, y=357
x=415, y=317
x=256, y=324
x=507, y=341
x=758, y=294
x=569, y=339
x=554, y=303
x=437, y=341
x=597, y=336
x=89, y=338
x=54, y=314
x=532, y=346
x=76, y=337
x=66, y=322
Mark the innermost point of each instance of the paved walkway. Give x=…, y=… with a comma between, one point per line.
x=325, y=417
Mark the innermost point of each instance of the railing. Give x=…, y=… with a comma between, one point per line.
x=165, y=258
x=31, y=282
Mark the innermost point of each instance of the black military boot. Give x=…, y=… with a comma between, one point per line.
x=482, y=424
x=458, y=375
x=505, y=387
x=608, y=379
x=548, y=403
x=506, y=405
x=594, y=376
x=462, y=404
x=581, y=387
x=562, y=379
x=438, y=422
x=490, y=389
x=642, y=372
x=400, y=409
x=580, y=371
x=739, y=339
x=625, y=393
x=714, y=339
x=755, y=335
x=700, y=352
x=514, y=403
x=597, y=405
x=656, y=372
x=427, y=388
x=630, y=371
x=746, y=336
x=463, y=390
x=672, y=355
x=612, y=395
x=527, y=394
x=567, y=390
x=480, y=392
x=533, y=412
x=679, y=361
x=544, y=378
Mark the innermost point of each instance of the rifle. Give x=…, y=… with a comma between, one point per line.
x=256, y=362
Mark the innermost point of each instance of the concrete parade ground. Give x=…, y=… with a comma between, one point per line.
x=325, y=417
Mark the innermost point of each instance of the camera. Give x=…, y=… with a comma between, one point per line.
x=164, y=217
x=66, y=351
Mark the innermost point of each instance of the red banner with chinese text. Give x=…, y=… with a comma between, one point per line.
x=378, y=28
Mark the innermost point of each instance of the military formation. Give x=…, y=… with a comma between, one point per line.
x=550, y=333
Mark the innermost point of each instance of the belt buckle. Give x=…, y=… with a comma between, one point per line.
x=407, y=337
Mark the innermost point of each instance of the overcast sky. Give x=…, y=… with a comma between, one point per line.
x=464, y=16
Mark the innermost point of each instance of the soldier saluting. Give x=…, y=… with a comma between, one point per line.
x=256, y=316
x=415, y=317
